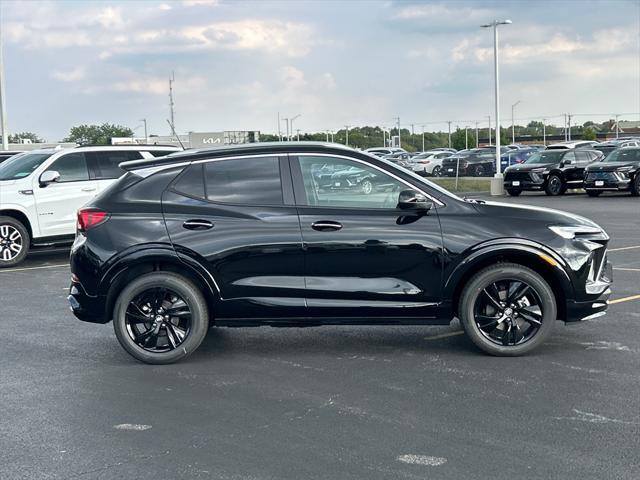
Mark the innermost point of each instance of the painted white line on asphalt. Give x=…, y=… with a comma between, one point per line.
x=132, y=426
x=32, y=268
x=445, y=335
x=635, y=247
x=422, y=460
x=624, y=299
x=627, y=269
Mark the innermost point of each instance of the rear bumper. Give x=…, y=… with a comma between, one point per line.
x=84, y=307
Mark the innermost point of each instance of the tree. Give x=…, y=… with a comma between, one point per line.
x=17, y=137
x=459, y=142
x=589, y=134
x=97, y=134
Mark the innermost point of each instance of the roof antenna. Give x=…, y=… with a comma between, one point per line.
x=173, y=130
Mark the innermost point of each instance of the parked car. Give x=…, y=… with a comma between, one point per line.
x=332, y=177
x=619, y=171
x=41, y=190
x=607, y=147
x=242, y=236
x=444, y=149
x=514, y=157
x=5, y=154
x=429, y=163
x=553, y=171
x=380, y=152
x=476, y=162
x=572, y=144
x=399, y=158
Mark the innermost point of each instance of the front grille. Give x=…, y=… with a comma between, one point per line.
x=601, y=176
x=518, y=176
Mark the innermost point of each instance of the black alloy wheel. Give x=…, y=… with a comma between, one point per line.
x=507, y=309
x=554, y=186
x=160, y=318
x=635, y=185
x=437, y=171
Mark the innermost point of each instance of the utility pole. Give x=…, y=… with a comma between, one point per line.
x=171, y=103
x=617, y=129
x=327, y=132
x=3, y=110
x=397, y=119
x=466, y=138
x=297, y=134
x=279, y=131
x=384, y=137
x=286, y=120
x=565, y=126
x=513, y=125
x=569, y=125
x=146, y=137
x=449, y=122
x=477, y=135
x=489, y=117
x=412, y=129
x=544, y=132
x=347, y=134
x=423, y=138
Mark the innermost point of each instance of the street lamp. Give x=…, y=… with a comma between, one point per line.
x=497, y=187
x=513, y=125
x=146, y=137
x=489, y=118
x=291, y=124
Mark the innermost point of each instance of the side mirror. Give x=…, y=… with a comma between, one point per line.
x=567, y=162
x=414, y=200
x=48, y=177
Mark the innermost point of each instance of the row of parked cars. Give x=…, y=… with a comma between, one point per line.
x=597, y=168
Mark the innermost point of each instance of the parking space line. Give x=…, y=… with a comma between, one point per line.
x=624, y=299
x=634, y=247
x=445, y=335
x=627, y=269
x=33, y=268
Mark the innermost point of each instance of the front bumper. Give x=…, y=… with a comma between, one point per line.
x=598, y=302
x=523, y=184
x=607, y=185
x=85, y=307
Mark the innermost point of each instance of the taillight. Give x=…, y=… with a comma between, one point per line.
x=90, y=217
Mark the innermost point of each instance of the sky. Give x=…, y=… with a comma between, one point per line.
x=335, y=63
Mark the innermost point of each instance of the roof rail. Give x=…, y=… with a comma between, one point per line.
x=133, y=145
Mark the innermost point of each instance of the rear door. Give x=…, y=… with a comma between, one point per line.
x=363, y=256
x=58, y=202
x=237, y=217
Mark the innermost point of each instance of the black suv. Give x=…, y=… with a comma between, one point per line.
x=619, y=171
x=553, y=171
x=477, y=162
x=245, y=236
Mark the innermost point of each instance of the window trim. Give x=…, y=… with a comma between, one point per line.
x=298, y=183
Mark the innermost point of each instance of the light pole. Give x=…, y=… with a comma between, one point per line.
x=146, y=137
x=397, y=119
x=286, y=120
x=291, y=122
x=297, y=134
x=569, y=126
x=3, y=111
x=513, y=125
x=346, y=127
x=544, y=132
x=423, y=138
x=477, y=141
x=449, y=123
x=466, y=138
x=497, y=187
x=617, y=129
x=489, y=117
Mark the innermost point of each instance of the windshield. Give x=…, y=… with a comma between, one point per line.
x=20, y=166
x=623, y=155
x=548, y=156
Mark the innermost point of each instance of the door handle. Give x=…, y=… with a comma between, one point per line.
x=197, y=225
x=326, y=225
x=89, y=189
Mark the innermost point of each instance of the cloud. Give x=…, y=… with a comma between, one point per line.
x=72, y=75
x=197, y=3
x=157, y=86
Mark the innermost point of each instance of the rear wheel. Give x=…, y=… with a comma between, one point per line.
x=366, y=186
x=478, y=171
x=555, y=186
x=437, y=171
x=160, y=318
x=507, y=309
x=594, y=193
x=14, y=242
x=513, y=193
x=635, y=185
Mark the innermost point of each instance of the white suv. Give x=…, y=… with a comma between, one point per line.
x=41, y=190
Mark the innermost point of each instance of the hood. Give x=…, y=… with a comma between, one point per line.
x=609, y=166
x=527, y=167
x=526, y=212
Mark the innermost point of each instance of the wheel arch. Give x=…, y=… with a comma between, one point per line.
x=20, y=216
x=541, y=260
x=137, y=263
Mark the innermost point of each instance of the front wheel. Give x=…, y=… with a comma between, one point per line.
x=478, y=171
x=14, y=242
x=555, y=186
x=367, y=187
x=507, y=309
x=635, y=185
x=160, y=318
x=437, y=171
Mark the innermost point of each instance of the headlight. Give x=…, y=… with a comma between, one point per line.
x=570, y=232
x=540, y=170
x=623, y=172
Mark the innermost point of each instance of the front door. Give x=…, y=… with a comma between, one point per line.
x=363, y=256
x=58, y=202
x=241, y=222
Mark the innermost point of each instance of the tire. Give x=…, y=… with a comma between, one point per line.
x=127, y=309
x=514, y=193
x=594, y=193
x=478, y=171
x=14, y=242
x=537, y=304
x=555, y=186
x=437, y=171
x=366, y=186
x=635, y=185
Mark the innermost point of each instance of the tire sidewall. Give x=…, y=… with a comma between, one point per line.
x=26, y=242
x=551, y=192
x=192, y=297
x=497, y=273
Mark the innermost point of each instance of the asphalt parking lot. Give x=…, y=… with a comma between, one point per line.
x=323, y=403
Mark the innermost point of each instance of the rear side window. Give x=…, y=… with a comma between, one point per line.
x=191, y=182
x=71, y=167
x=107, y=162
x=248, y=181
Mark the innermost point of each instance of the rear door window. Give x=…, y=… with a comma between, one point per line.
x=72, y=167
x=106, y=162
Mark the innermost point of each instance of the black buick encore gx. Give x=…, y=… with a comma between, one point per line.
x=273, y=234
